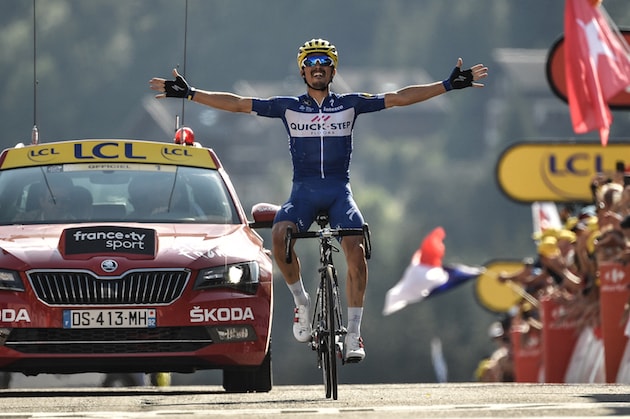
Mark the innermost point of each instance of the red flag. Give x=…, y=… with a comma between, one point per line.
x=597, y=66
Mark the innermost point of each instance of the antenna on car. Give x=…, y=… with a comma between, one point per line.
x=183, y=134
x=35, y=132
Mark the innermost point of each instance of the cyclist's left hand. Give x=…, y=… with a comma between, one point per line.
x=178, y=88
x=460, y=79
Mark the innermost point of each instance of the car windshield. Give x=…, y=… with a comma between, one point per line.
x=114, y=192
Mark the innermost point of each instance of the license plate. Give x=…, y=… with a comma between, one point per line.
x=123, y=318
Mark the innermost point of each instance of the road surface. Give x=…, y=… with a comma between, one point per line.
x=450, y=400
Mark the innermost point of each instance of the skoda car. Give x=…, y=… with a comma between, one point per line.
x=131, y=256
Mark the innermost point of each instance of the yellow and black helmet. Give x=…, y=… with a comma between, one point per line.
x=317, y=46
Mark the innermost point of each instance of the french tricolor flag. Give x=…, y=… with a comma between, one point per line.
x=426, y=276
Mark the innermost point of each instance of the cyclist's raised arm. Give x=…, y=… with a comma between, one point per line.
x=413, y=94
x=458, y=79
x=179, y=88
x=224, y=101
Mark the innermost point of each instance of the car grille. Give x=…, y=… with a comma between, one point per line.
x=108, y=341
x=83, y=287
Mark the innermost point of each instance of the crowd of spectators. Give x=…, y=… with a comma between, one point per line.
x=565, y=268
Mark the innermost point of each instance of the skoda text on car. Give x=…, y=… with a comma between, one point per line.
x=130, y=256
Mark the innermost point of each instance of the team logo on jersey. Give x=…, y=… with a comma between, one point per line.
x=335, y=124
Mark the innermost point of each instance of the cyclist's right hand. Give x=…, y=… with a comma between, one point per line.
x=178, y=88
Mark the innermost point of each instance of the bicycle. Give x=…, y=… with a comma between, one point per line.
x=328, y=333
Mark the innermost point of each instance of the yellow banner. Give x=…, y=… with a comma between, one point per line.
x=559, y=172
x=495, y=295
x=106, y=151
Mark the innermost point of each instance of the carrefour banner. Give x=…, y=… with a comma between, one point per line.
x=557, y=171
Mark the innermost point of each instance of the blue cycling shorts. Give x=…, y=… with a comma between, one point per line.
x=309, y=198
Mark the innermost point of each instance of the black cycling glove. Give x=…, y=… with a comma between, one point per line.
x=179, y=88
x=458, y=79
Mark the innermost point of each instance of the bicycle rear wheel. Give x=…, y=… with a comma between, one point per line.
x=329, y=350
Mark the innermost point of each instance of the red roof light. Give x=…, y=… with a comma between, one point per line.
x=184, y=135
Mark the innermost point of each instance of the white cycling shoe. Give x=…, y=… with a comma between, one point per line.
x=302, y=322
x=355, y=352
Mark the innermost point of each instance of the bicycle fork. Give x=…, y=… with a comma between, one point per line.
x=319, y=322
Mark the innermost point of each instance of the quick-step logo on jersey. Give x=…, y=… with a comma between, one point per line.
x=338, y=124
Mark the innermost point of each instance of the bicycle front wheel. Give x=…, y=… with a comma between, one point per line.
x=329, y=350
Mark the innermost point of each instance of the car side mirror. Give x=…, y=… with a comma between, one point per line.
x=263, y=215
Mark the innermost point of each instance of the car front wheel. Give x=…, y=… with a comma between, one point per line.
x=258, y=380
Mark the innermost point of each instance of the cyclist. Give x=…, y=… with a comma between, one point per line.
x=320, y=124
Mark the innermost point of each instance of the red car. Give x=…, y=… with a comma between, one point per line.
x=130, y=256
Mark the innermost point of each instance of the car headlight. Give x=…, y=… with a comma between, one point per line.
x=10, y=280
x=242, y=276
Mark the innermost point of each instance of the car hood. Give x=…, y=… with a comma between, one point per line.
x=157, y=244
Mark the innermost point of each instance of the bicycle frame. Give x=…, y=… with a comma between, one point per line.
x=328, y=332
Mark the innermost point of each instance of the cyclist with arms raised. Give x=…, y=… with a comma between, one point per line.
x=320, y=125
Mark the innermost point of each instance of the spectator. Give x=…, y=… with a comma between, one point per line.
x=498, y=367
x=566, y=213
x=624, y=226
x=531, y=277
x=623, y=206
x=555, y=266
x=585, y=231
x=569, y=259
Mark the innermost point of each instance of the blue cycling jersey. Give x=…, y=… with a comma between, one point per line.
x=320, y=136
x=320, y=140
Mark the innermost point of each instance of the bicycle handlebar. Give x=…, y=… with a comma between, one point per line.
x=327, y=233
